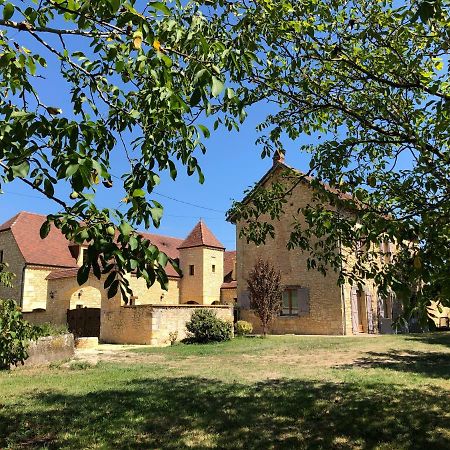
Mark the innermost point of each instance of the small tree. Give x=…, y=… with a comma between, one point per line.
x=264, y=285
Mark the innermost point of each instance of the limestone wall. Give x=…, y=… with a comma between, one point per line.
x=12, y=256
x=228, y=296
x=49, y=349
x=325, y=311
x=150, y=324
x=35, y=287
x=154, y=295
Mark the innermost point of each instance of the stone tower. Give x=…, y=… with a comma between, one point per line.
x=201, y=261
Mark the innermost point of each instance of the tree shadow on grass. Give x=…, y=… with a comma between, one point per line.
x=429, y=364
x=438, y=338
x=190, y=412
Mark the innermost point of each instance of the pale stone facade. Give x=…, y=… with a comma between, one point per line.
x=46, y=287
x=319, y=305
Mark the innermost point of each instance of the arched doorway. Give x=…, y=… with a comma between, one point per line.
x=86, y=297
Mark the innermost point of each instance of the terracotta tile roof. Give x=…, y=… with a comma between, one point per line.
x=201, y=236
x=65, y=273
x=229, y=259
x=52, y=251
x=229, y=285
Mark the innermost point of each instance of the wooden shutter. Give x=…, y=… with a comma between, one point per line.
x=303, y=301
x=370, y=326
x=244, y=300
x=354, y=304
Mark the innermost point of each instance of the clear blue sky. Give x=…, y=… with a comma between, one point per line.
x=231, y=164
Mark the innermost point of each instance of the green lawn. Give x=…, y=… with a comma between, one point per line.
x=277, y=393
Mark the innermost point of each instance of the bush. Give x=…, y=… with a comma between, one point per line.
x=205, y=326
x=50, y=329
x=15, y=334
x=243, y=327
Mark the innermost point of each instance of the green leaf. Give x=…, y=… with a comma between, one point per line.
x=205, y=131
x=8, y=11
x=195, y=97
x=162, y=259
x=125, y=228
x=21, y=170
x=138, y=193
x=115, y=5
x=156, y=215
x=160, y=7
x=83, y=274
x=45, y=229
x=133, y=243
x=217, y=86
x=112, y=291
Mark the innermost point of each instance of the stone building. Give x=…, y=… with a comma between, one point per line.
x=46, y=270
x=312, y=303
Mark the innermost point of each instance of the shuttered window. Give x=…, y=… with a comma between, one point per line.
x=295, y=301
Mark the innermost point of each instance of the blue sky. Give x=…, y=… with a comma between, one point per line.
x=231, y=164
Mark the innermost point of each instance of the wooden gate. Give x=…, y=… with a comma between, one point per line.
x=84, y=322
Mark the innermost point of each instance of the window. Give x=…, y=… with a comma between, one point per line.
x=191, y=270
x=1, y=256
x=295, y=301
x=290, y=302
x=213, y=268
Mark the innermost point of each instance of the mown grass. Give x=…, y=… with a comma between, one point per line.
x=277, y=393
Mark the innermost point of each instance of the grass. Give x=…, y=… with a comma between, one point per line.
x=291, y=392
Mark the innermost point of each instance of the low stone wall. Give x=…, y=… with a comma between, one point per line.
x=292, y=324
x=49, y=349
x=37, y=317
x=151, y=324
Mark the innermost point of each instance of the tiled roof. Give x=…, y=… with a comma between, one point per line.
x=229, y=285
x=229, y=259
x=65, y=273
x=52, y=251
x=201, y=236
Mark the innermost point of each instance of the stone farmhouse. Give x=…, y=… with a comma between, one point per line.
x=312, y=303
x=46, y=287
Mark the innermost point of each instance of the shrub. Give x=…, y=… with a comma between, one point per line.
x=15, y=334
x=205, y=326
x=243, y=327
x=50, y=329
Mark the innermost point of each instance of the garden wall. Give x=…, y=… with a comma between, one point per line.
x=151, y=324
x=49, y=349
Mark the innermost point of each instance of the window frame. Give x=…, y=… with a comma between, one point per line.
x=290, y=290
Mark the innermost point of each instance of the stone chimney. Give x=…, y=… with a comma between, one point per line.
x=278, y=157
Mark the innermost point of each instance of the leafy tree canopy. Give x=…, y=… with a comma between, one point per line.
x=368, y=81
x=145, y=70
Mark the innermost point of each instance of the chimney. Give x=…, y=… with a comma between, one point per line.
x=278, y=157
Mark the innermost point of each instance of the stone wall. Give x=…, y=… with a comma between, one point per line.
x=150, y=324
x=16, y=262
x=325, y=301
x=154, y=295
x=35, y=287
x=228, y=296
x=49, y=349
